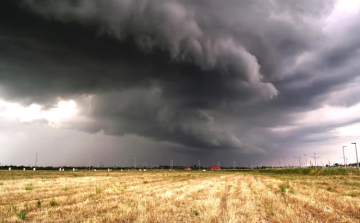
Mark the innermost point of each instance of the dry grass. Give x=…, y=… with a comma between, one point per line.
x=50, y=196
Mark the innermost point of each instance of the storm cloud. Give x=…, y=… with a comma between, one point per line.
x=215, y=75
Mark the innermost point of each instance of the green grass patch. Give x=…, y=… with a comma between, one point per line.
x=22, y=214
x=350, y=193
x=312, y=171
x=351, y=183
x=284, y=186
x=29, y=187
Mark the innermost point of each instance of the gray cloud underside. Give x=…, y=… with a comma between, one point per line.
x=205, y=74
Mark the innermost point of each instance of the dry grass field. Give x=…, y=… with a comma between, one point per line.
x=177, y=196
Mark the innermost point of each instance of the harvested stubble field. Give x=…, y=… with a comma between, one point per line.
x=177, y=196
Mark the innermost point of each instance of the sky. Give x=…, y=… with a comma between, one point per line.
x=245, y=83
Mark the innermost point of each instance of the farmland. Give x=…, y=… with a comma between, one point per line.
x=178, y=196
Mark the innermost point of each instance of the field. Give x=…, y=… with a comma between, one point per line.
x=177, y=196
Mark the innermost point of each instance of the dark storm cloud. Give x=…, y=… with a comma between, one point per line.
x=329, y=68
x=198, y=73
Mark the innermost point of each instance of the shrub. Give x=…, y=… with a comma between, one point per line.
x=282, y=188
x=65, y=189
x=98, y=190
x=196, y=212
x=329, y=188
x=38, y=204
x=53, y=203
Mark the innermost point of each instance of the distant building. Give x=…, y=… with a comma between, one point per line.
x=187, y=168
x=214, y=168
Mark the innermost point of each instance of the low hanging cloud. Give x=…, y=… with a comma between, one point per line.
x=203, y=74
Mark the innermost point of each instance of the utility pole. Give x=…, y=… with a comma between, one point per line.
x=299, y=161
x=135, y=162
x=357, y=160
x=305, y=160
x=315, y=159
x=234, y=164
x=344, y=156
x=89, y=161
x=199, y=164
